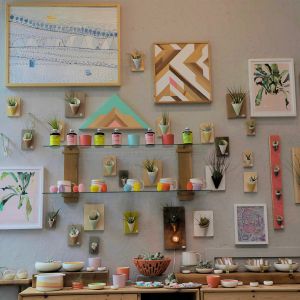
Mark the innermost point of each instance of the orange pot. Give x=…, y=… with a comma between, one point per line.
x=85, y=140
x=213, y=281
x=124, y=270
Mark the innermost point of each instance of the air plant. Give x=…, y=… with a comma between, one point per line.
x=54, y=124
x=165, y=119
x=74, y=232
x=136, y=54
x=149, y=165
x=12, y=101
x=203, y=222
x=272, y=81
x=207, y=127
x=252, y=179
x=72, y=100
x=237, y=95
x=151, y=256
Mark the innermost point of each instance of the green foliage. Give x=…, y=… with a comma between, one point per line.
x=271, y=81
x=205, y=264
x=237, y=95
x=149, y=165
x=151, y=256
x=72, y=100
x=54, y=123
x=11, y=101
x=165, y=118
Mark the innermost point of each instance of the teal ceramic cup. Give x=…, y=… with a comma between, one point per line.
x=133, y=139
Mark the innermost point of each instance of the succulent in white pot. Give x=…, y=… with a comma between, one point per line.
x=152, y=170
x=74, y=103
x=223, y=146
x=136, y=57
x=94, y=218
x=237, y=96
x=164, y=123
x=130, y=220
x=204, y=222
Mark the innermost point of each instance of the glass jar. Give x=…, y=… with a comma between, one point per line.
x=187, y=136
x=116, y=137
x=99, y=138
x=54, y=137
x=72, y=138
x=150, y=137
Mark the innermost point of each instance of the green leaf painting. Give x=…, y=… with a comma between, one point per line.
x=271, y=81
x=16, y=190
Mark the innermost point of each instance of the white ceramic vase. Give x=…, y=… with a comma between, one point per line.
x=152, y=175
x=137, y=63
x=237, y=108
x=131, y=226
x=223, y=147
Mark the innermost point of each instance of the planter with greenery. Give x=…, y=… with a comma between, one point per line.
x=206, y=132
x=223, y=146
x=55, y=131
x=237, y=96
x=74, y=103
x=136, y=58
x=151, y=168
x=12, y=104
x=251, y=184
x=27, y=138
x=52, y=218
x=131, y=221
x=109, y=166
x=74, y=235
x=94, y=218
x=164, y=123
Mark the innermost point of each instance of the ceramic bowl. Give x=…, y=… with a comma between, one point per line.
x=285, y=267
x=49, y=282
x=256, y=268
x=204, y=271
x=96, y=286
x=48, y=266
x=218, y=271
x=231, y=268
x=229, y=283
x=73, y=266
x=268, y=282
x=254, y=283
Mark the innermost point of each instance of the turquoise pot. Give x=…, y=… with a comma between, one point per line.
x=133, y=139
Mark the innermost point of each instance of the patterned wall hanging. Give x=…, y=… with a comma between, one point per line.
x=114, y=113
x=296, y=173
x=182, y=73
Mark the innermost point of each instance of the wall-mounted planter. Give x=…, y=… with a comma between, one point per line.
x=152, y=178
x=137, y=61
x=236, y=110
x=27, y=139
x=130, y=222
x=248, y=159
x=214, y=181
x=93, y=216
x=207, y=135
x=74, y=235
x=75, y=104
x=202, y=228
x=13, y=106
x=94, y=244
x=109, y=165
x=222, y=146
x=251, y=127
x=250, y=182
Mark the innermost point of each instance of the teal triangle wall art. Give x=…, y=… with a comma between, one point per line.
x=114, y=113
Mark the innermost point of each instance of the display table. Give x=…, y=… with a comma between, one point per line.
x=274, y=292
x=20, y=283
x=128, y=293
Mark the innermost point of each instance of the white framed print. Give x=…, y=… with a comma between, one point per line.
x=251, y=224
x=21, y=198
x=272, y=87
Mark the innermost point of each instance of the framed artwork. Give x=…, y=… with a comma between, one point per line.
x=272, y=87
x=60, y=44
x=182, y=73
x=21, y=199
x=251, y=224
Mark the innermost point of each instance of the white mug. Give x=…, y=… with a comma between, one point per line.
x=132, y=181
x=171, y=181
x=190, y=258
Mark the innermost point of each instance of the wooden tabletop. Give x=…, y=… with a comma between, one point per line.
x=260, y=288
x=16, y=282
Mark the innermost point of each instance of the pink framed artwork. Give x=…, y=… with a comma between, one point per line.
x=272, y=87
x=251, y=224
x=21, y=199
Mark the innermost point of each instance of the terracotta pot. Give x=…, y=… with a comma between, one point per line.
x=85, y=140
x=213, y=281
x=124, y=270
x=168, y=139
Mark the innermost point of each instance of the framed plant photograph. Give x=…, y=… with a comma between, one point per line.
x=182, y=73
x=21, y=198
x=63, y=44
x=272, y=87
x=251, y=224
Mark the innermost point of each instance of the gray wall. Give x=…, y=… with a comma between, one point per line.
x=237, y=30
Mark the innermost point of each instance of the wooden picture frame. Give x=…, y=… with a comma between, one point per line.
x=278, y=100
x=182, y=73
x=97, y=34
x=254, y=215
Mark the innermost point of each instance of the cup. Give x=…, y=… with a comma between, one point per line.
x=171, y=181
x=168, y=139
x=64, y=186
x=119, y=280
x=94, y=262
x=213, y=281
x=136, y=185
x=133, y=139
x=85, y=140
x=97, y=185
x=197, y=183
x=124, y=270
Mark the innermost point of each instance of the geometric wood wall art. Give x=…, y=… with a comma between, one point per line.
x=204, y=223
x=71, y=112
x=222, y=146
x=250, y=182
x=248, y=159
x=94, y=245
x=93, y=216
x=74, y=235
x=296, y=173
x=276, y=181
x=234, y=113
x=207, y=133
x=109, y=165
x=174, y=227
x=151, y=179
x=210, y=186
x=14, y=111
x=114, y=113
x=182, y=73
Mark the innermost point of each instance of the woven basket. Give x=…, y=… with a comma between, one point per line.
x=151, y=267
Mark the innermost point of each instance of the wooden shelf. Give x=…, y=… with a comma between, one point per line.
x=16, y=282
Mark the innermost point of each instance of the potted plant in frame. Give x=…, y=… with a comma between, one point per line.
x=251, y=184
x=12, y=104
x=74, y=103
x=151, y=168
x=109, y=166
x=237, y=96
x=223, y=146
x=131, y=221
x=217, y=165
x=251, y=127
x=206, y=132
x=203, y=222
x=164, y=123
x=74, y=234
x=27, y=138
x=136, y=57
x=94, y=217
x=56, y=128
x=52, y=218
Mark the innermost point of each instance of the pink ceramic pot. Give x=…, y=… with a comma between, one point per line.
x=85, y=140
x=95, y=262
x=168, y=139
x=124, y=270
x=119, y=280
x=213, y=281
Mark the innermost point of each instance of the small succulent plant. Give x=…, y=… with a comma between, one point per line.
x=27, y=135
x=205, y=264
x=72, y=100
x=136, y=54
x=12, y=101
x=74, y=232
x=252, y=179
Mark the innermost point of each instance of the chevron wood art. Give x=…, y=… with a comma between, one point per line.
x=114, y=113
x=182, y=73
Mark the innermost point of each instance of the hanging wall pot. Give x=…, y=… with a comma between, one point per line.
x=222, y=146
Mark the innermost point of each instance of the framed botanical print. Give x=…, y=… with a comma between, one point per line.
x=63, y=44
x=182, y=73
x=251, y=224
x=21, y=198
x=272, y=87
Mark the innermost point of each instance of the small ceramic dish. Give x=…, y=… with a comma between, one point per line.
x=268, y=282
x=257, y=268
x=96, y=286
x=73, y=266
x=240, y=283
x=218, y=271
x=114, y=287
x=186, y=271
x=254, y=284
x=229, y=283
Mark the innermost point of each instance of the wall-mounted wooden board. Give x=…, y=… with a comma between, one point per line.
x=131, y=228
x=201, y=230
x=249, y=185
x=159, y=174
x=27, y=145
x=276, y=181
x=296, y=173
x=248, y=158
x=207, y=136
x=81, y=110
x=222, y=146
x=89, y=208
x=17, y=112
x=72, y=242
x=209, y=182
x=109, y=165
x=94, y=245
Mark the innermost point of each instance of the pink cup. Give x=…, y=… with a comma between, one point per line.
x=119, y=280
x=95, y=262
x=124, y=270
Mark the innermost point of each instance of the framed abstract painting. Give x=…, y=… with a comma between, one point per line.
x=63, y=44
x=272, y=87
x=251, y=224
x=21, y=198
x=182, y=73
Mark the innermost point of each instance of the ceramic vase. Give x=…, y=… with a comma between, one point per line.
x=109, y=168
x=206, y=136
x=237, y=108
x=164, y=128
x=251, y=186
x=216, y=179
x=74, y=108
x=94, y=223
x=137, y=63
x=131, y=226
x=152, y=175
x=223, y=147
x=12, y=109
